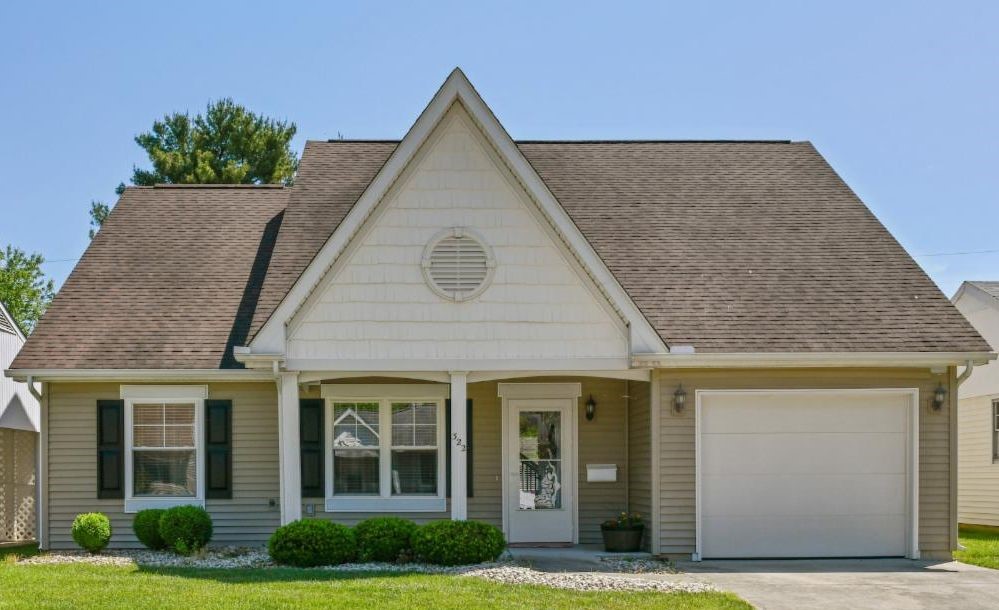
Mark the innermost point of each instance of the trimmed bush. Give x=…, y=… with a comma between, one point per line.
x=312, y=542
x=92, y=531
x=146, y=526
x=452, y=543
x=384, y=538
x=185, y=529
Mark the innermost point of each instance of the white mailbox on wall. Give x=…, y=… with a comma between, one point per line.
x=601, y=473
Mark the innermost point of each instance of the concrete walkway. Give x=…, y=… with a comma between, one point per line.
x=852, y=584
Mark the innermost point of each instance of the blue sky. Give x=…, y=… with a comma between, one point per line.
x=900, y=97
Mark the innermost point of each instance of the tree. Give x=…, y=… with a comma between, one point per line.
x=227, y=144
x=23, y=287
x=98, y=213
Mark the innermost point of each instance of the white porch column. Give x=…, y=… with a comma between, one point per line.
x=289, y=456
x=459, y=457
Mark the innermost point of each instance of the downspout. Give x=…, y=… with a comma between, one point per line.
x=969, y=366
x=41, y=516
x=31, y=388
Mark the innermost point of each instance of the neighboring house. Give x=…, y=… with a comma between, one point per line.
x=978, y=413
x=416, y=328
x=18, y=442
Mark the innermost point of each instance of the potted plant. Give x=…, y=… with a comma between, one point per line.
x=624, y=533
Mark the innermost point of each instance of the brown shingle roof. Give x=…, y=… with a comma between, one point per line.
x=726, y=246
x=169, y=282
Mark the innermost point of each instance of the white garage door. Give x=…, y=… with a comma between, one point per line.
x=804, y=474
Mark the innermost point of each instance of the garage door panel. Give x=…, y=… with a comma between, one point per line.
x=840, y=496
x=804, y=474
x=864, y=453
x=804, y=536
x=794, y=412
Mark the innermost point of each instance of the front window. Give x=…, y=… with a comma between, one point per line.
x=164, y=457
x=356, y=441
x=164, y=453
x=385, y=453
x=414, y=448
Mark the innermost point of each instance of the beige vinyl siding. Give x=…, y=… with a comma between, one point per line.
x=640, y=453
x=602, y=441
x=677, y=484
x=247, y=518
x=978, y=475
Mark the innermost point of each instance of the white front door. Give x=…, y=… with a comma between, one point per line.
x=541, y=470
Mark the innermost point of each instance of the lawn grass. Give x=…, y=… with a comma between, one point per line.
x=90, y=586
x=981, y=546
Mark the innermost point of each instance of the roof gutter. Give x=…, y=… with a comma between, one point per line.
x=174, y=375
x=811, y=359
x=244, y=355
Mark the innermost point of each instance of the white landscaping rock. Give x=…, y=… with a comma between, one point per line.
x=504, y=572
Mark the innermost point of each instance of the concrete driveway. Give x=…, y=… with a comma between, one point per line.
x=852, y=584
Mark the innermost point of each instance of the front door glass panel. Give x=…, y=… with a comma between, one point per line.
x=540, y=449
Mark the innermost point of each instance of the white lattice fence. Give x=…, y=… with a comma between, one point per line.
x=17, y=484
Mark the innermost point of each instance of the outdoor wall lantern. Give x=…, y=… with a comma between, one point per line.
x=939, y=396
x=679, y=399
x=591, y=408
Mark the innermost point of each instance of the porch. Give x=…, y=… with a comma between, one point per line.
x=526, y=454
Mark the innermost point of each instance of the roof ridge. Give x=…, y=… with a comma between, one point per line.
x=610, y=141
x=217, y=186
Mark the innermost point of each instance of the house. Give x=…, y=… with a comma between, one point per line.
x=18, y=441
x=978, y=413
x=540, y=335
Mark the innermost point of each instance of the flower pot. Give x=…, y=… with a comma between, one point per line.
x=622, y=540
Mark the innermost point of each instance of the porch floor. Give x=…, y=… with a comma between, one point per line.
x=576, y=558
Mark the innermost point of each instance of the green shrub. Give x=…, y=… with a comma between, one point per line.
x=185, y=529
x=384, y=538
x=312, y=542
x=146, y=526
x=452, y=543
x=92, y=531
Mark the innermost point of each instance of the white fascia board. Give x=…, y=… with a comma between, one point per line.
x=823, y=359
x=271, y=337
x=541, y=364
x=139, y=374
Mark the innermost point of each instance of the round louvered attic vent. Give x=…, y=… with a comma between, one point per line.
x=458, y=264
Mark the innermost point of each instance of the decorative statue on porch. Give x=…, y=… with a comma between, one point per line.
x=548, y=493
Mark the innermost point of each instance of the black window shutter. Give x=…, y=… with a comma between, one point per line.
x=110, y=449
x=468, y=444
x=311, y=430
x=218, y=449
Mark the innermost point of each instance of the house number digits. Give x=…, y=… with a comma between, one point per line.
x=459, y=442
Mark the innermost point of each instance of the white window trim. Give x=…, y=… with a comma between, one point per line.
x=196, y=394
x=385, y=395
